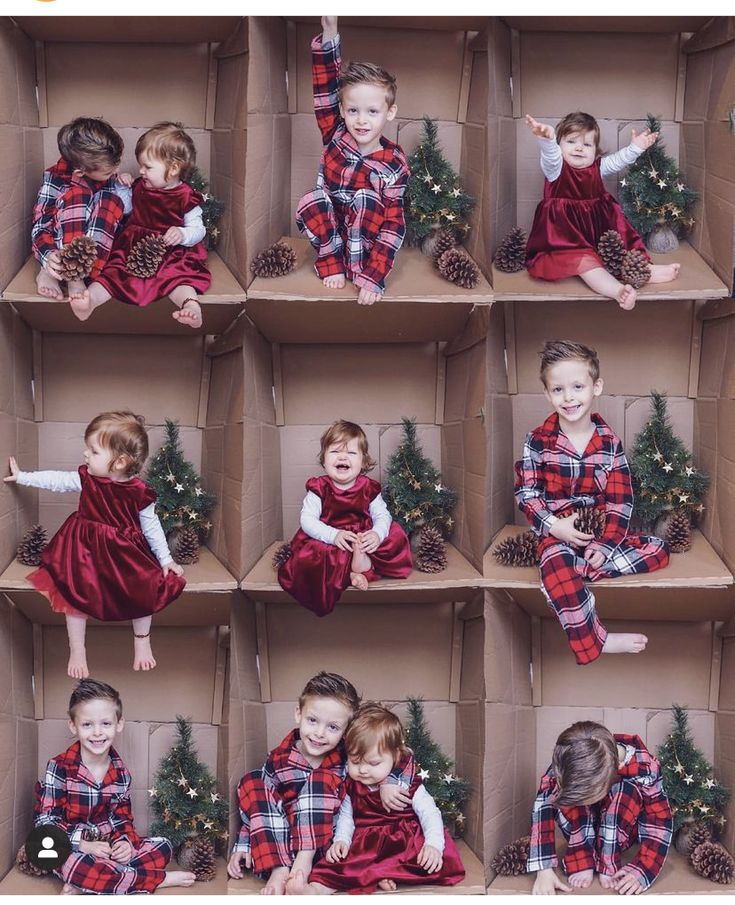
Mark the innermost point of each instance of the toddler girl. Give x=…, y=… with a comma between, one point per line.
x=109, y=559
x=577, y=208
x=373, y=848
x=347, y=535
x=163, y=205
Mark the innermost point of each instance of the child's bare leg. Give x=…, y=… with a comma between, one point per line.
x=624, y=643
x=664, y=273
x=86, y=300
x=187, y=301
x=582, y=879
x=76, y=630
x=387, y=885
x=604, y=283
x=142, y=643
x=48, y=286
x=178, y=878
x=361, y=562
x=276, y=885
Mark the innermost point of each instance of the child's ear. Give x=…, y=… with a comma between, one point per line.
x=297, y=714
x=597, y=389
x=120, y=725
x=392, y=112
x=72, y=727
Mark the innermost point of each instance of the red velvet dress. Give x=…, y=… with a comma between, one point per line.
x=99, y=563
x=316, y=573
x=576, y=210
x=154, y=211
x=385, y=846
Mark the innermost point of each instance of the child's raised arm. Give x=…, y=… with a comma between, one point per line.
x=329, y=27
x=325, y=67
x=56, y=481
x=540, y=130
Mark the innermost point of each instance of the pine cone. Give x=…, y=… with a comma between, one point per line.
x=713, y=862
x=431, y=555
x=511, y=254
x=276, y=261
x=29, y=549
x=457, y=267
x=590, y=520
x=611, y=249
x=184, y=545
x=512, y=858
x=635, y=269
x=198, y=856
x=145, y=257
x=435, y=246
x=521, y=550
x=698, y=834
x=679, y=533
x=282, y=554
x=26, y=866
x=78, y=258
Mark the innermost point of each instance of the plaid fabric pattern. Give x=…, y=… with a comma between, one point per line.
x=70, y=798
x=635, y=809
x=355, y=218
x=552, y=479
x=69, y=206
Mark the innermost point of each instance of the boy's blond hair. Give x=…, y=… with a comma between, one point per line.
x=368, y=74
x=578, y=122
x=585, y=763
x=87, y=144
x=341, y=432
x=375, y=726
x=331, y=685
x=123, y=434
x=92, y=690
x=557, y=350
x=169, y=143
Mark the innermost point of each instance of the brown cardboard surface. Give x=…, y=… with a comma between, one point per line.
x=220, y=306
x=725, y=746
x=614, y=24
x=505, y=656
x=137, y=29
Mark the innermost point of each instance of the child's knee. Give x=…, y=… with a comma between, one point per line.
x=367, y=198
x=316, y=200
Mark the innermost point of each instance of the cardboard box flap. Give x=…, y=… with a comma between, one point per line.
x=220, y=306
x=615, y=24
x=136, y=29
x=718, y=30
x=696, y=281
x=715, y=309
x=429, y=23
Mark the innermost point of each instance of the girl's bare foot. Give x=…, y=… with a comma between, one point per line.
x=335, y=281
x=624, y=643
x=626, y=297
x=387, y=885
x=178, y=878
x=318, y=889
x=48, y=286
x=605, y=881
x=358, y=580
x=190, y=314
x=276, y=885
x=144, y=659
x=83, y=303
x=69, y=890
x=582, y=879
x=78, y=668
x=75, y=287
x=664, y=273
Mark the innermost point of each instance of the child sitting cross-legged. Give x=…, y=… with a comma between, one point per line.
x=606, y=793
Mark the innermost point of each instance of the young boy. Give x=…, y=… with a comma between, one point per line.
x=355, y=217
x=606, y=793
x=574, y=460
x=87, y=788
x=288, y=806
x=81, y=195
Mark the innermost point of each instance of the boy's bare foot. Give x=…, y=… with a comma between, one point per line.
x=664, y=273
x=48, y=286
x=296, y=884
x=78, y=668
x=626, y=297
x=276, y=885
x=582, y=879
x=190, y=314
x=335, y=281
x=624, y=643
x=605, y=881
x=144, y=659
x=358, y=580
x=75, y=287
x=68, y=890
x=387, y=885
x=178, y=878
x=83, y=303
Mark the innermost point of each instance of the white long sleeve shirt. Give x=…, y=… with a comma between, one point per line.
x=424, y=807
x=193, y=228
x=551, y=159
x=69, y=482
x=312, y=524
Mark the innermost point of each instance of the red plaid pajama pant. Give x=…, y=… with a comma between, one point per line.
x=144, y=873
x=83, y=212
x=563, y=571
x=343, y=236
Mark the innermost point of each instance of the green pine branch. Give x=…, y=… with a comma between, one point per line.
x=212, y=208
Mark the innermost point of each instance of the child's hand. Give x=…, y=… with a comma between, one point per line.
x=394, y=797
x=125, y=179
x=430, y=859
x=100, y=849
x=122, y=851
x=369, y=541
x=345, y=539
x=565, y=531
x=367, y=297
x=173, y=236
x=540, y=130
x=234, y=866
x=13, y=466
x=172, y=567
x=547, y=883
x=52, y=265
x=627, y=882
x=596, y=558
x=329, y=27
x=337, y=851
x=644, y=140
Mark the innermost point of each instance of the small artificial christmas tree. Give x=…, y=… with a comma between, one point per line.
x=663, y=476
x=653, y=191
x=181, y=499
x=212, y=208
x=184, y=796
x=694, y=793
x=434, y=768
x=413, y=489
x=434, y=197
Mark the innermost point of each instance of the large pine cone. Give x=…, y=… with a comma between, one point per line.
x=512, y=858
x=679, y=533
x=276, y=261
x=590, y=520
x=431, y=555
x=26, y=866
x=511, y=254
x=457, y=267
x=635, y=269
x=198, y=856
x=435, y=245
x=698, y=834
x=78, y=258
x=145, y=257
x=521, y=550
x=184, y=545
x=712, y=861
x=32, y=545
x=611, y=249
x=282, y=554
